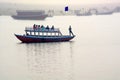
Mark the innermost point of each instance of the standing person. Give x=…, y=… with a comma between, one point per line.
x=70, y=31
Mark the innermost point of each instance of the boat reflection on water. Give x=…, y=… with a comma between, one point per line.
x=50, y=61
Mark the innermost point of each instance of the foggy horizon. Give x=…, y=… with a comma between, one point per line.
x=55, y=2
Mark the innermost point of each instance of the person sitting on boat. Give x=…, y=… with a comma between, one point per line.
x=47, y=27
x=52, y=28
x=70, y=31
x=42, y=27
x=38, y=26
x=34, y=26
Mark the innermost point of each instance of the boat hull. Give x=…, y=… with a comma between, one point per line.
x=38, y=39
x=30, y=17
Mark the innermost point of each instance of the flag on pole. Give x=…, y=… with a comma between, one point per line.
x=66, y=8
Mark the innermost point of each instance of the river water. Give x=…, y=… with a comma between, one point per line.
x=94, y=54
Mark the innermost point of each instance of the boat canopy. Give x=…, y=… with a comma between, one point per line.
x=30, y=29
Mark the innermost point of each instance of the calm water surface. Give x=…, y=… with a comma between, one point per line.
x=94, y=54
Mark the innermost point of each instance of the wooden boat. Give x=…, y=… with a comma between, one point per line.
x=42, y=34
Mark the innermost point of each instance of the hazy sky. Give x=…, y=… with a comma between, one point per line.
x=61, y=1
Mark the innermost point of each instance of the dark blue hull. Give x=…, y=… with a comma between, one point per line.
x=38, y=39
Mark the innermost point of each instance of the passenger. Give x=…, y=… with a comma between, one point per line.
x=52, y=27
x=38, y=26
x=42, y=27
x=34, y=26
x=47, y=27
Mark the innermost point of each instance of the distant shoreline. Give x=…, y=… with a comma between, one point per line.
x=10, y=8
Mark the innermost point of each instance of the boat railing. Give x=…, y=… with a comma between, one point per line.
x=41, y=29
